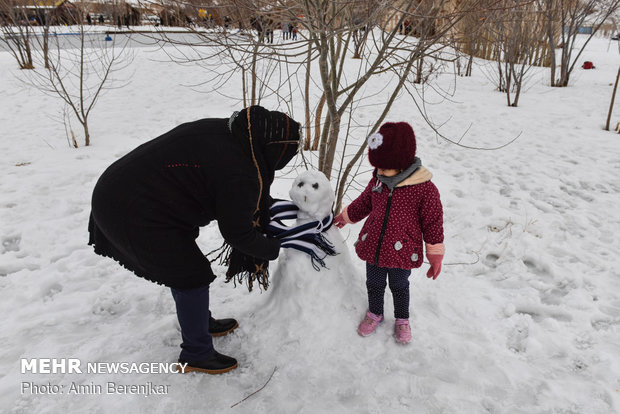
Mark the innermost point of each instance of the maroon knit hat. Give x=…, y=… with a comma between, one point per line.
x=392, y=147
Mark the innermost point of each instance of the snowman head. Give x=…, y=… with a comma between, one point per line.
x=312, y=193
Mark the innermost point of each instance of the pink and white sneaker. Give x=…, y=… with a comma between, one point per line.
x=403, y=331
x=369, y=324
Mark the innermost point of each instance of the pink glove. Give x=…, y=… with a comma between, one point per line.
x=339, y=221
x=435, y=261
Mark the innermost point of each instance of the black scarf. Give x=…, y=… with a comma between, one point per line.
x=270, y=139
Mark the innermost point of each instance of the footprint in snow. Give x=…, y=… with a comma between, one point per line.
x=540, y=313
x=554, y=296
x=110, y=306
x=604, y=324
x=486, y=211
x=457, y=193
x=570, y=189
x=491, y=260
x=52, y=290
x=584, y=341
x=484, y=177
x=518, y=336
x=11, y=243
x=536, y=267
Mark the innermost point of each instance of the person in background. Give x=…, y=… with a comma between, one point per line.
x=285, y=31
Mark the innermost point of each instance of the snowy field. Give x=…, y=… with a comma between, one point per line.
x=524, y=318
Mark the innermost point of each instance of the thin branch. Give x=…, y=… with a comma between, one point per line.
x=258, y=390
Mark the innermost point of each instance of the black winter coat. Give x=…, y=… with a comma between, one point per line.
x=147, y=207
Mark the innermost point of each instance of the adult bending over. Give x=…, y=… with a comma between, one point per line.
x=147, y=208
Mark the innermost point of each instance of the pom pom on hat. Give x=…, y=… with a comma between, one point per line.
x=392, y=147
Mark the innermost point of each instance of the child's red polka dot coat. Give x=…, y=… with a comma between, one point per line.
x=415, y=217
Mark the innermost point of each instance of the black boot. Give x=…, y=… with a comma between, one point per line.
x=221, y=327
x=215, y=364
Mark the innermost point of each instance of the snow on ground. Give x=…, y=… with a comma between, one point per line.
x=525, y=317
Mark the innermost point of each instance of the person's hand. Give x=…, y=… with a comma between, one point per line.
x=339, y=221
x=435, y=261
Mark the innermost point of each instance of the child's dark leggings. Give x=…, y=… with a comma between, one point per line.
x=399, y=285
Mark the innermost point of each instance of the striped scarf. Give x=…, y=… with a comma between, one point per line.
x=307, y=238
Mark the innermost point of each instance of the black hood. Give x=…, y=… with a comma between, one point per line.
x=274, y=135
x=270, y=140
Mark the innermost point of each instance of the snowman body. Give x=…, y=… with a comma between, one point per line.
x=315, y=302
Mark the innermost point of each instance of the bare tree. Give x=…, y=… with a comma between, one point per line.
x=331, y=32
x=387, y=52
x=517, y=31
x=611, y=103
x=565, y=18
x=424, y=28
x=474, y=36
x=25, y=26
x=78, y=73
x=44, y=42
x=613, y=94
x=16, y=32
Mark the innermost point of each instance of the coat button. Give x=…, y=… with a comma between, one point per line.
x=364, y=236
x=398, y=245
x=414, y=257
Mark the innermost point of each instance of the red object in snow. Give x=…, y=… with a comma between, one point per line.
x=588, y=65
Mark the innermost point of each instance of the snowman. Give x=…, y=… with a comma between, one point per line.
x=315, y=300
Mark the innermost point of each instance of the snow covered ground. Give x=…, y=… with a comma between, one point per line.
x=525, y=317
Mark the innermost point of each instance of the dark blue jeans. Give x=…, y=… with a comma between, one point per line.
x=376, y=281
x=194, y=316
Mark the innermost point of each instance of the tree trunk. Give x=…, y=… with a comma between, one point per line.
x=613, y=98
x=565, y=58
x=327, y=55
x=334, y=131
x=86, y=133
x=500, y=86
x=317, y=123
x=358, y=42
x=563, y=81
x=46, y=33
x=515, y=99
x=28, y=62
x=564, y=78
x=551, y=40
x=469, y=65
x=307, y=98
x=323, y=141
x=507, y=77
x=356, y=45
x=419, y=70
x=518, y=84
x=243, y=88
x=253, y=75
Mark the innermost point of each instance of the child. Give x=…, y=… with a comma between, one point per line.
x=404, y=210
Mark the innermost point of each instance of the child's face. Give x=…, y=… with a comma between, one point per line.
x=387, y=172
